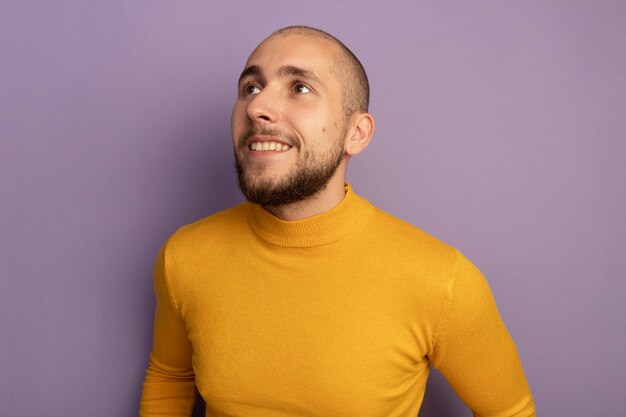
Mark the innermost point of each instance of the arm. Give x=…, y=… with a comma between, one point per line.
x=475, y=352
x=169, y=386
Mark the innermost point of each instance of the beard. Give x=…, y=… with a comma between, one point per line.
x=307, y=178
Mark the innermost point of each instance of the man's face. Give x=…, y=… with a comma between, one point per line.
x=288, y=124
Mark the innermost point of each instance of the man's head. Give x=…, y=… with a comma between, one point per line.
x=355, y=88
x=301, y=112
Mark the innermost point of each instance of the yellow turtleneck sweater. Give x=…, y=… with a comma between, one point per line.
x=340, y=314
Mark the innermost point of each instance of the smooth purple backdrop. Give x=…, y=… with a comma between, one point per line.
x=500, y=129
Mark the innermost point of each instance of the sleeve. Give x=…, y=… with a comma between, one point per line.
x=169, y=385
x=475, y=352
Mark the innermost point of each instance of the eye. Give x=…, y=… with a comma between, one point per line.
x=301, y=89
x=251, y=89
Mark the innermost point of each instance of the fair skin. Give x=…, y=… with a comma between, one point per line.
x=288, y=86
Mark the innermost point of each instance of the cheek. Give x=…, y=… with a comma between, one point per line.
x=237, y=129
x=237, y=120
x=238, y=114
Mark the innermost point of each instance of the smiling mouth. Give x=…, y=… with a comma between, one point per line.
x=268, y=146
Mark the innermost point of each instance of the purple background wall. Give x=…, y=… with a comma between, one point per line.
x=500, y=129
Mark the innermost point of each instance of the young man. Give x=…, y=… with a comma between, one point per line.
x=308, y=300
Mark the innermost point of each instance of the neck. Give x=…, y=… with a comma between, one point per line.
x=319, y=203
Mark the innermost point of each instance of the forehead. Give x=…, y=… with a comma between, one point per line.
x=307, y=52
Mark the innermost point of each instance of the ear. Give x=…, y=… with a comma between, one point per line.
x=360, y=133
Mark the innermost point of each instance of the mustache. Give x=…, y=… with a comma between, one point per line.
x=268, y=131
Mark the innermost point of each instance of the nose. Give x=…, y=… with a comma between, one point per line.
x=263, y=107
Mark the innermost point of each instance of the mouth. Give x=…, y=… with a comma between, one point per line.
x=266, y=144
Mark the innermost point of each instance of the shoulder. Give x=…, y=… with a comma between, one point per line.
x=400, y=235
x=439, y=264
x=219, y=227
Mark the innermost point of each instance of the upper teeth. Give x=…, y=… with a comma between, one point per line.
x=268, y=146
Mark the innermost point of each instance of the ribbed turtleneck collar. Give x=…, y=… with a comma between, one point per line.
x=322, y=229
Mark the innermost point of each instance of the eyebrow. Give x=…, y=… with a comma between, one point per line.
x=284, y=71
x=251, y=70
x=290, y=70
